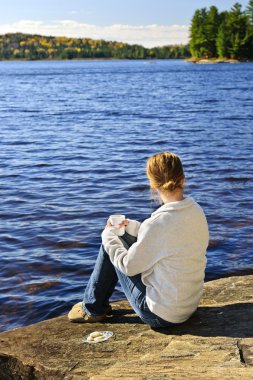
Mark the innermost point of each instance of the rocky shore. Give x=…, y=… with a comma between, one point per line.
x=216, y=343
x=209, y=61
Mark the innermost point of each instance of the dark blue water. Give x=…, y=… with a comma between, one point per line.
x=75, y=137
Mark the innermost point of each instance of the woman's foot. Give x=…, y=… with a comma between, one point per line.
x=78, y=315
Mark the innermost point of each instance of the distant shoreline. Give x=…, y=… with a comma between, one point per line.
x=190, y=60
x=93, y=59
x=216, y=60
x=20, y=46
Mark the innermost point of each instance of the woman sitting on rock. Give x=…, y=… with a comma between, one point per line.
x=159, y=263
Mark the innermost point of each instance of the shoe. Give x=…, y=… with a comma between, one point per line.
x=80, y=304
x=78, y=315
x=77, y=305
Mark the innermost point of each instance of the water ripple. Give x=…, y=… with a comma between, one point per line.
x=76, y=151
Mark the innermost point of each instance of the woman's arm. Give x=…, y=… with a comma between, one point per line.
x=133, y=227
x=141, y=256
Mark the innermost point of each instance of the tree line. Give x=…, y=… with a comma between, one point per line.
x=213, y=34
x=225, y=35
x=19, y=46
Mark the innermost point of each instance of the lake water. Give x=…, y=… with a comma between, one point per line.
x=75, y=137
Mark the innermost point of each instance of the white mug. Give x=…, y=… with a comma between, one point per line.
x=115, y=221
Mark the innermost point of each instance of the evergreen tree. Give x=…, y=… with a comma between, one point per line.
x=198, y=38
x=249, y=12
x=226, y=35
x=238, y=26
x=223, y=37
x=211, y=31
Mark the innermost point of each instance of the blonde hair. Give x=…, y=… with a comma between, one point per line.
x=165, y=171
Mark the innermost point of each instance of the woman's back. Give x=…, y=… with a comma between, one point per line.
x=175, y=282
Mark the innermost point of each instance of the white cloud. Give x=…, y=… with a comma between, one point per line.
x=146, y=35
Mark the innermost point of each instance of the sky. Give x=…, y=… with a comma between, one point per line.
x=146, y=22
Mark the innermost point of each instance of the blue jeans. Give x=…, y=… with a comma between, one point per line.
x=102, y=284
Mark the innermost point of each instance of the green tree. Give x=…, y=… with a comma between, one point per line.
x=249, y=43
x=223, y=37
x=249, y=12
x=211, y=31
x=198, y=38
x=238, y=26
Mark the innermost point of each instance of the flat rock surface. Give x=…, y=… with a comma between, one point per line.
x=216, y=343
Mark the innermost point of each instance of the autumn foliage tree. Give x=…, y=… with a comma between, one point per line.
x=35, y=47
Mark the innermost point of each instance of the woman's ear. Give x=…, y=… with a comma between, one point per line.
x=182, y=182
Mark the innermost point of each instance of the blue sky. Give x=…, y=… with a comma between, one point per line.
x=148, y=22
